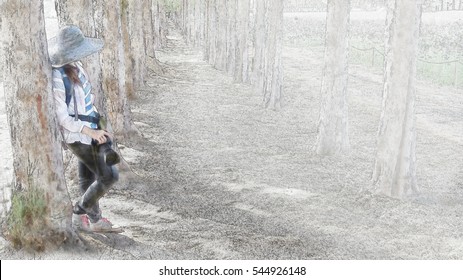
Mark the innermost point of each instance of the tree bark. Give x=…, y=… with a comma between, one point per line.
x=273, y=73
x=221, y=42
x=259, y=40
x=37, y=158
x=333, y=137
x=163, y=25
x=190, y=24
x=128, y=57
x=137, y=43
x=231, y=38
x=199, y=23
x=206, y=47
x=148, y=28
x=114, y=71
x=156, y=24
x=395, y=166
x=242, y=53
x=212, y=32
x=159, y=24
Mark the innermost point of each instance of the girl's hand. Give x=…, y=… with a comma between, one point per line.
x=101, y=136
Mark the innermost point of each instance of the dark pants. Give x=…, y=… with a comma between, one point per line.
x=95, y=178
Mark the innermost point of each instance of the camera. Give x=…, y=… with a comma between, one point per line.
x=110, y=156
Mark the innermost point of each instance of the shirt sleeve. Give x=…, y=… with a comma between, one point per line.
x=59, y=93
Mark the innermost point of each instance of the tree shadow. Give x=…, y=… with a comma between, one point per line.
x=123, y=246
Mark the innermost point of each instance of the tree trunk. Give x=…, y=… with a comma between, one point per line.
x=163, y=25
x=333, y=135
x=156, y=24
x=128, y=57
x=231, y=37
x=159, y=24
x=137, y=43
x=395, y=167
x=221, y=42
x=242, y=27
x=190, y=22
x=113, y=71
x=206, y=46
x=185, y=20
x=259, y=41
x=148, y=28
x=273, y=76
x=41, y=209
x=212, y=32
x=198, y=35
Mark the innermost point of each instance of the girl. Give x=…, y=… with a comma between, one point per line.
x=79, y=121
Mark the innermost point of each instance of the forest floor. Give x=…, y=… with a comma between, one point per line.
x=216, y=176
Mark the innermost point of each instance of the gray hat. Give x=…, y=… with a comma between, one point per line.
x=71, y=45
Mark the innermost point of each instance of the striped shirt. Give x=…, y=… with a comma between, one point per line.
x=72, y=129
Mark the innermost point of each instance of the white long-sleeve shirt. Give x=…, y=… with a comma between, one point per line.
x=72, y=129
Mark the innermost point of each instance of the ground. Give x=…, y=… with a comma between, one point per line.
x=217, y=176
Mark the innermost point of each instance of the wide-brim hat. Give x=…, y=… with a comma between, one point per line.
x=71, y=45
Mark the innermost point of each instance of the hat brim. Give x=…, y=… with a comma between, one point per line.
x=60, y=57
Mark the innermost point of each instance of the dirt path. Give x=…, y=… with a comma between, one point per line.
x=219, y=177
x=230, y=180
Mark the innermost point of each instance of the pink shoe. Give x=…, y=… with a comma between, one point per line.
x=104, y=225
x=81, y=222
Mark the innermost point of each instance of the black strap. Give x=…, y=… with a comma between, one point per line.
x=73, y=94
x=90, y=119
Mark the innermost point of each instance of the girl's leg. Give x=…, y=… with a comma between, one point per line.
x=105, y=175
x=86, y=179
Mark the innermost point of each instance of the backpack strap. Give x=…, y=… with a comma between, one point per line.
x=69, y=91
x=91, y=119
x=67, y=85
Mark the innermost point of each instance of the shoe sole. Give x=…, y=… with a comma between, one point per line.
x=113, y=230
